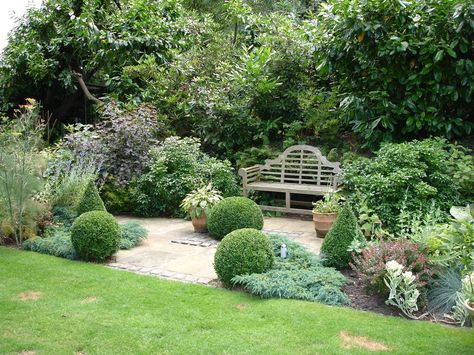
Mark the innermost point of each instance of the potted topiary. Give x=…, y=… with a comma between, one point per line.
x=325, y=213
x=197, y=205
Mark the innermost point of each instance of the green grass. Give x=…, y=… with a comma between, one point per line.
x=143, y=315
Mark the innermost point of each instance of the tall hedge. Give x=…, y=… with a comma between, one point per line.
x=90, y=200
x=407, y=67
x=344, y=230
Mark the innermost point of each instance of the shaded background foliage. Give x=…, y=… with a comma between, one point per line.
x=268, y=73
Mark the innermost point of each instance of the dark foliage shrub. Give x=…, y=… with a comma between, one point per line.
x=242, y=252
x=91, y=200
x=407, y=67
x=127, y=137
x=56, y=241
x=336, y=243
x=300, y=276
x=178, y=167
x=132, y=233
x=233, y=213
x=48, y=46
x=95, y=235
x=370, y=264
x=416, y=177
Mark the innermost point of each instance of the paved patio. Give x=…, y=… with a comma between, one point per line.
x=174, y=251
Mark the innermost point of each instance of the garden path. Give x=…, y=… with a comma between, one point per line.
x=174, y=251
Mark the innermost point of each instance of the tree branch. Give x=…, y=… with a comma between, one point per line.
x=85, y=90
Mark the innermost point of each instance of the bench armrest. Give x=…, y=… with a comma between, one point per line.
x=249, y=174
x=336, y=181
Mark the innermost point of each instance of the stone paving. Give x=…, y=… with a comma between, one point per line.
x=174, y=251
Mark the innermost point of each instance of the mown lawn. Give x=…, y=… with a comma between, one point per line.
x=88, y=308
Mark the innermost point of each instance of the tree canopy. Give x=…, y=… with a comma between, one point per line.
x=264, y=72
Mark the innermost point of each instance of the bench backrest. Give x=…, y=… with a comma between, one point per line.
x=301, y=164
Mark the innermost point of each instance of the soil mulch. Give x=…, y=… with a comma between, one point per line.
x=354, y=289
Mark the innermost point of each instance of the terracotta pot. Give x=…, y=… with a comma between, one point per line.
x=470, y=309
x=323, y=223
x=200, y=224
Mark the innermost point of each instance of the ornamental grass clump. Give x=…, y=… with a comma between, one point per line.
x=95, y=235
x=336, y=244
x=234, y=213
x=90, y=200
x=243, y=252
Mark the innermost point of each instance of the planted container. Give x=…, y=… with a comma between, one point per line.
x=470, y=309
x=197, y=205
x=325, y=213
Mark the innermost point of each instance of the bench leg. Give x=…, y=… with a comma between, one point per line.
x=288, y=200
x=245, y=192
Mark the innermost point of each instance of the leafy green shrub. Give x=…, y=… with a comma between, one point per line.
x=241, y=252
x=414, y=177
x=132, y=234
x=90, y=200
x=95, y=235
x=178, y=167
x=118, y=198
x=300, y=276
x=56, y=241
x=233, y=213
x=406, y=66
x=335, y=246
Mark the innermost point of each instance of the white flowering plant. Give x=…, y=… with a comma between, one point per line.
x=459, y=312
x=401, y=284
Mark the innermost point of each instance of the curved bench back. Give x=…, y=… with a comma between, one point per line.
x=301, y=164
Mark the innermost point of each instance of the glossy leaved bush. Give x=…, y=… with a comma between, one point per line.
x=406, y=67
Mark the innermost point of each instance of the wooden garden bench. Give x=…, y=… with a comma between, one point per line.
x=300, y=169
